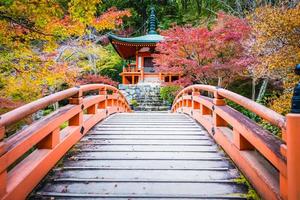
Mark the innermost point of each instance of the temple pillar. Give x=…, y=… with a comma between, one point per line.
x=123, y=79
x=142, y=74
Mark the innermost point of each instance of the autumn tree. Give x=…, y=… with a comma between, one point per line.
x=31, y=35
x=93, y=78
x=275, y=49
x=202, y=55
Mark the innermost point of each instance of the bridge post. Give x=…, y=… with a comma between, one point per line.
x=293, y=155
x=50, y=141
x=2, y=134
x=204, y=110
x=77, y=99
x=3, y=172
x=218, y=101
x=195, y=105
x=115, y=101
x=103, y=104
x=118, y=103
x=184, y=102
x=293, y=143
x=92, y=109
x=240, y=142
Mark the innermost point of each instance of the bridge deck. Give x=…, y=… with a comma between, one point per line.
x=144, y=156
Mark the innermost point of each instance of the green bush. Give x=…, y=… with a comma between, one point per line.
x=267, y=126
x=134, y=103
x=168, y=93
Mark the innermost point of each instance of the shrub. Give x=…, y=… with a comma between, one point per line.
x=169, y=92
x=94, y=78
x=264, y=124
x=134, y=103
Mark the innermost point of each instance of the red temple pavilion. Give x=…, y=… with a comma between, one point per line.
x=138, y=52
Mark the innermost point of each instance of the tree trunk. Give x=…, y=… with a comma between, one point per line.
x=220, y=82
x=55, y=106
x=253, y=89
x=262, y=90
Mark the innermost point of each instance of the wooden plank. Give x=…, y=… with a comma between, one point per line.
x=138, y=156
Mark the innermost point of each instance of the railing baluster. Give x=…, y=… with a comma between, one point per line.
x=218, y=121
x=195, y=105
x=50, y=141
x=92, y=109
x=103, y=104
x=241, y=142
x=204, y=110
x=218, y=101
x=77, y=99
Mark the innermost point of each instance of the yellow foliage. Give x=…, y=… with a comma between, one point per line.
x=282, y=104
x=276, y=46
x=30, y=33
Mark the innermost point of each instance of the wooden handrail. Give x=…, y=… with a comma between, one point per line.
x=44, y=138
x=260, y=155
x=262, y=111
x=30, y=108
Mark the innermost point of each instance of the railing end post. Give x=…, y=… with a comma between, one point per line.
x=293, y=142
x=293, y=155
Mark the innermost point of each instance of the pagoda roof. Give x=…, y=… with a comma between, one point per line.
x=128, y=46
x=149, y=38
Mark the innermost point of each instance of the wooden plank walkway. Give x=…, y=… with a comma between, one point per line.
x=144, y=156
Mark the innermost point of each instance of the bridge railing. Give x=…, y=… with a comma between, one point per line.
x=27, y=156
x=261, y=156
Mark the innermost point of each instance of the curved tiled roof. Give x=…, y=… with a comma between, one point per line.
x=149, y=38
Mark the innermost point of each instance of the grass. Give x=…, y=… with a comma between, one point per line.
x=251, y=195
x=63, y=125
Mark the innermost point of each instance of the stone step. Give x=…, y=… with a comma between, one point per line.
x=151, y=105
x=150, y=101
x=152, y=109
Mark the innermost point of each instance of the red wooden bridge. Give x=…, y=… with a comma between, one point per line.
x=118, y=154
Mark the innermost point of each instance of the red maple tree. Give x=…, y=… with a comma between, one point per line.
x=203, y=55
x=94, y=78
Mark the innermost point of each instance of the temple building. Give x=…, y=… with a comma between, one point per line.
x=138, y=52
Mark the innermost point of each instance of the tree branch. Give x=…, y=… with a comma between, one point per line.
x=24, y=25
